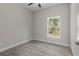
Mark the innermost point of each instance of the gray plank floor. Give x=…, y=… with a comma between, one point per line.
x=37, y=48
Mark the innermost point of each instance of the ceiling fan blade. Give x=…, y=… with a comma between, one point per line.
x=30, y=4
x=39, y=5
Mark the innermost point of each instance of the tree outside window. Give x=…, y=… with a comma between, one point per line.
x=53, y=28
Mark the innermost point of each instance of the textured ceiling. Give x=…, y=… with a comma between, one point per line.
x=34, y=7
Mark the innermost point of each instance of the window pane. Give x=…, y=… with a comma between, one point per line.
x=53, y=28
x=78, y=27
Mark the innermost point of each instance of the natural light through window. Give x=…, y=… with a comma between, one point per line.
x=53, y=27
x=78, y=27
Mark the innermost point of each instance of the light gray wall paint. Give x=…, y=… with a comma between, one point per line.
x=15, y=24
x=74, y=13
x=40, y=24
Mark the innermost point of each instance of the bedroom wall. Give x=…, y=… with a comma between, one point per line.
x=40, y=24
x=15, y=25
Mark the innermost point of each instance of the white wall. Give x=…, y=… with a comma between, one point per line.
x=15, y=24
x=40, y=24
x=74, y=13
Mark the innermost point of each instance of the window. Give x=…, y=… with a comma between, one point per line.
x=77, y=41
x=53, y=27
x=78, y=28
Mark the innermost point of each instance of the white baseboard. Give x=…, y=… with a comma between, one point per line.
x=22, y=42
x=65, y=45
x=14, y=45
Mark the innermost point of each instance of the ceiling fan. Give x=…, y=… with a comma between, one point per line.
x=39, y=5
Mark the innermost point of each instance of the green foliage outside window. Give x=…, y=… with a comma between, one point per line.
x=53, y=26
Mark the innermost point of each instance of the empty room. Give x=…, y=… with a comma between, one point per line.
x=39, y=29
